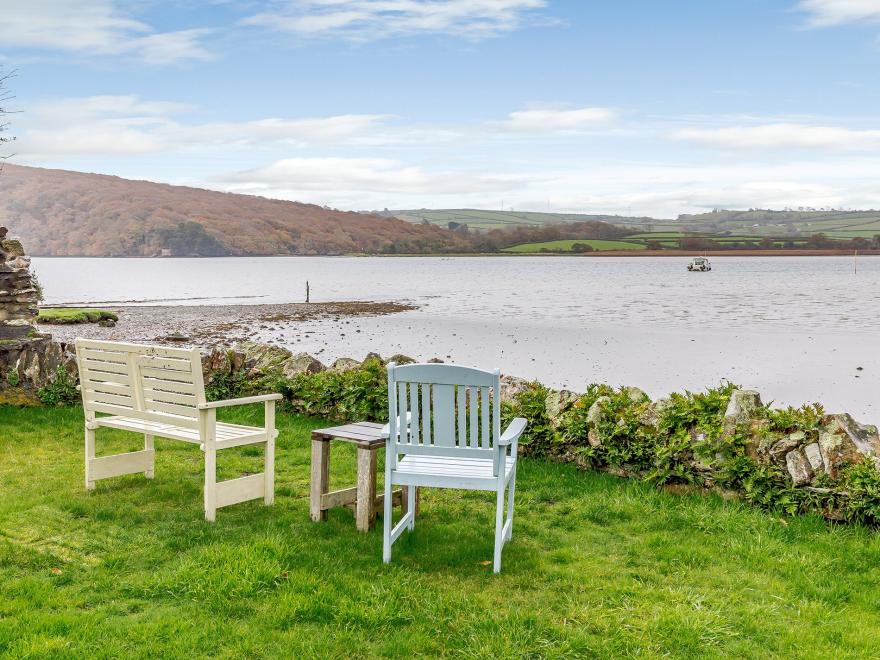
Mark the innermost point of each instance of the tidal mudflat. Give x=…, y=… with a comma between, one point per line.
x=796, y=328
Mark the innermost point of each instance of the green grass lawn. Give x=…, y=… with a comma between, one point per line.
x=67, y=315
x=598, y=566
x=565, y=245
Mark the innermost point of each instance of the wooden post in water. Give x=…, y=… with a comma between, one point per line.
x=856, y=262
x=307, y=291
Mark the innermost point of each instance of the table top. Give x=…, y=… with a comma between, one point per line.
x=363, y=434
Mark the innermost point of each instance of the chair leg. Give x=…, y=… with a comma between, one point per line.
x=210, y=485
x=411, y=504
x=90, y=454
x=149, y=473
x=511, y=487
x=387, y=522
x=499, y=530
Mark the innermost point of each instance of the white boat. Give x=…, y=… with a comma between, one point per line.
x=700, y=264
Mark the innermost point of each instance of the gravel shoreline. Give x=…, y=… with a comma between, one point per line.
x=208, y=325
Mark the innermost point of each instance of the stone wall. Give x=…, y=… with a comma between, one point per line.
x=18, y=295
x=28, y=359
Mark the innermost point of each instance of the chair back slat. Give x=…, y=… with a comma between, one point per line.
x=461, y=414
x=451, y=409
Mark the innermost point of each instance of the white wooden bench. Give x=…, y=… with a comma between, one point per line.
x=160, y=392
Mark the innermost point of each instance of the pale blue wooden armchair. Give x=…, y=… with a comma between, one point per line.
x=450, y=438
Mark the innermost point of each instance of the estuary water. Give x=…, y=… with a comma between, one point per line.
x=797, y=328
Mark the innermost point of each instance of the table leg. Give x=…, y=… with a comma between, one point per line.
x=365, y=511
x=320, y=476
x=404, y=499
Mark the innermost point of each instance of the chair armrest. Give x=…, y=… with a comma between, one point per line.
x=513, y=431
x=240, y=402
x=386, y=430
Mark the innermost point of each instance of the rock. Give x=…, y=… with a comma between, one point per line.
x=843, y=441
x=12, y=247
x=779, y=451
x=741, y=408
x=636, y=395
x=511, y=387
x=594, y=414
x=814, y=456
x=798, y=467
x=557, y=403
x=435, y=360
x=595, y=411
x=399, y=358
x=653, y=413
x=107, y=323
x=345, y=364
x=373, y=356
x=263, y=359
x=301, y=363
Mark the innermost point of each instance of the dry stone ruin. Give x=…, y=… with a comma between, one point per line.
x=28, y=359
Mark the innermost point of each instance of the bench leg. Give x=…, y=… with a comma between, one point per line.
x=269, y=465
x=210, y=485
x=269, y=472
x=148, y=446
x=365, y=511
x=320, y=477
x=90, y=455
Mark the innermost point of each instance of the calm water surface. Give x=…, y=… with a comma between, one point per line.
x=795, y=328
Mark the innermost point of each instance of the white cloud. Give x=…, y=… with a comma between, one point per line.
x=365, y=20
x=548, y=120
x=290, y=177
x=826, y=13
x=782, y=136
x=98, y=27
x=120, y=125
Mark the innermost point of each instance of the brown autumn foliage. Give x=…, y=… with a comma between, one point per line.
x=62, y=213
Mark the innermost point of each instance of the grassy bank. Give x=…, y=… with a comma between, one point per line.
x=70, y=315
x=598, y=567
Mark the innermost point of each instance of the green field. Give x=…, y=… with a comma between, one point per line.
x=488, y=219
x=565, y=246
x=598, y=566
x=750, y=224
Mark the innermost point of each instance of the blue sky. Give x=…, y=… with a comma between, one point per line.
x=626, y=106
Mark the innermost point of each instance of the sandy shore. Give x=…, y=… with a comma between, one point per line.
x=208, y=325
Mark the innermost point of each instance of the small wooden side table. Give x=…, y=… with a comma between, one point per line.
x=362, y=497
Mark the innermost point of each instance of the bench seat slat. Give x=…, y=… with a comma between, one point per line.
x=225, y=432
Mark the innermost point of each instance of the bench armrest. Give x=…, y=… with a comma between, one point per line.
x=512, y=433
x=240, y=402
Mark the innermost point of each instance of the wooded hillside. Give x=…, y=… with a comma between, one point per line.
x=63, y=213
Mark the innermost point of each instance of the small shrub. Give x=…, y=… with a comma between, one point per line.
x=539, y=436
x=225, y=386
x=862, y=484
x=61, y=390
x=12, y=378
x=788, y=420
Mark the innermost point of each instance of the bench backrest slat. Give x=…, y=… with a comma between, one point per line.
x=153, y=383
